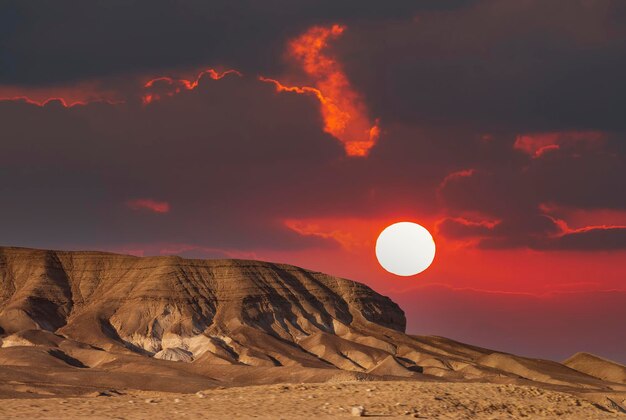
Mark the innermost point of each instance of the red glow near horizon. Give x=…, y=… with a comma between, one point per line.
x=343, y=111
x=149, y=205
x=458, y=264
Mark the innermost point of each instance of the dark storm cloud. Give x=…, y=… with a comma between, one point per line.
x=586, y=179
x=230, y=159
x=462, y=228
x=599, y=238
x=455, y=84
x=593, y=239
x=227, y=157
x=530, y=65
x=233, y=159
x=511, y=198
x=61, y=41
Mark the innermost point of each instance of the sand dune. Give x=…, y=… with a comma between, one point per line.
x=78, y=323
x=597, y=367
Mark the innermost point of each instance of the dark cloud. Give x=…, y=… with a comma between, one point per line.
x=514, y=196
x=455, y=84
x=600, y=238
x=232, y=159
x=529, y=65
x=582, y=178
x=64, y=41
x=463, y=229
x=227, y=157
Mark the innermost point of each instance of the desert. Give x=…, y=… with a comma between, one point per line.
x=312, y=209
x=101, y=335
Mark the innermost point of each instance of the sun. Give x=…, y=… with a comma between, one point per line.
x=405, y=249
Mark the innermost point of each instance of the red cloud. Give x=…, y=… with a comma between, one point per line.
x=92, y=91
x=334, y=229
x=537, y=144
x=149, y=204
x=599, y=237
x=464, y=173
x=460, y=227
x=166, y=86
x=66, y=95
x=342, y=108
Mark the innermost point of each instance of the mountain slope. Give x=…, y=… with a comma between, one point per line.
x=148, y=305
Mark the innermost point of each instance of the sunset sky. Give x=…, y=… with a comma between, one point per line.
x=296, y=131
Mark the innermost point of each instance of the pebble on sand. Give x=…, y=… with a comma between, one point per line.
x=358, y=411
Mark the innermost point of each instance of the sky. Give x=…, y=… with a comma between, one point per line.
x=296, y=131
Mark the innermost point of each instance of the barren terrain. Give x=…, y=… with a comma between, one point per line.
x=90, y=334
x=427, y=400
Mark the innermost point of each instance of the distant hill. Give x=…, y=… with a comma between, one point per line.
x=598, y=367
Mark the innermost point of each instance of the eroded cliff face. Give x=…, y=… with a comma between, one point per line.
x=180, y=309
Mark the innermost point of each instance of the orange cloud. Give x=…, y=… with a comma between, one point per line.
x=67, y=96
x=149, y=204
x=343, y=111
x=43, y=102
x=464, y=173
x=537, y=144
x=166, y=86
x=327, y=229
x=487, y=224
x=92, y=91
x=565, y=229
x=579, y=218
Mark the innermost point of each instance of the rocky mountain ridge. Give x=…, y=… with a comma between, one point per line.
x=170, y=307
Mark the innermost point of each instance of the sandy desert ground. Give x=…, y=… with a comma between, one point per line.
x=389, y=399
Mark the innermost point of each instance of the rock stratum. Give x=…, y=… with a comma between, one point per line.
x=75, y=322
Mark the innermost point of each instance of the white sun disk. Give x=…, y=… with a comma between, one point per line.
x=405, y=249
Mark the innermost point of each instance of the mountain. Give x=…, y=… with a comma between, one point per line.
x=85, y=320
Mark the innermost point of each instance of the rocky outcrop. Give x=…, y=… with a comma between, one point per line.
x=251, y=312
